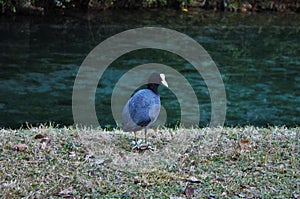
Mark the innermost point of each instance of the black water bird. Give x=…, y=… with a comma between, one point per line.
x=143, y=108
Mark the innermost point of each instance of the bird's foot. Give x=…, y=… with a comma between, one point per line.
x=140, y=146
x=137, y=142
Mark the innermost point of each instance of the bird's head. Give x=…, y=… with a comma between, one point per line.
x=158, y=78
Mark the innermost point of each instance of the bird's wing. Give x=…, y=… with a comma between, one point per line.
x=144, y=107
x=127, y=122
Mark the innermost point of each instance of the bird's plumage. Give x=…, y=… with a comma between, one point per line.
x=143, y=108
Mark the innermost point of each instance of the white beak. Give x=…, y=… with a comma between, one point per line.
x=163, y=80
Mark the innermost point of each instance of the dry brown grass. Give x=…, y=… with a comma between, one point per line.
x=244, y=162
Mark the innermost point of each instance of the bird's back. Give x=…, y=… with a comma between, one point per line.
x=141, y=110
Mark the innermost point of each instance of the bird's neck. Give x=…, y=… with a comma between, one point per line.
x=153, y=87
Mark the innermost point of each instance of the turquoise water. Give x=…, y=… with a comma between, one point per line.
x=258, y=56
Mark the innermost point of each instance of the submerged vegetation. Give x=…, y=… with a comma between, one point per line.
x=244, y=162
x=41, y=6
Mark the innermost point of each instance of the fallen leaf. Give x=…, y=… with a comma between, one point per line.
x=20, y=147
x=122, y=155
x=244, y=144
x=189, y=191
x=72, y=154
x=46, y=139
x=89, y=155
x=296, y=196
x=45, y=142
x=39, y=136
x=44, y=145
x=193, y=179
x=142, y=182
x=135, y=180
x=145, y=183
x=99, y=160
x=67, y=192
x=103, y=142
x=211, y=196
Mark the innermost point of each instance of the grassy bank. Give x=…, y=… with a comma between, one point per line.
x=245, y=162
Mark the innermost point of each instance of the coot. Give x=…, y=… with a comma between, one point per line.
x=142, y=109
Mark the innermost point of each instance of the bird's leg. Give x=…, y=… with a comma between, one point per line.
x=135, y=138
x=146, y=135
x=147, y=144
x=135, y=142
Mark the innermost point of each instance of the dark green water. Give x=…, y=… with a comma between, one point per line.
x=258, y=56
